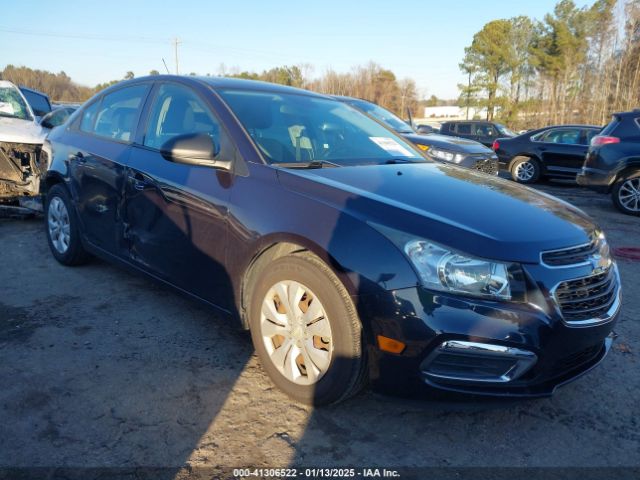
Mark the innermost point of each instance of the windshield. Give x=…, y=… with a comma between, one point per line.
x=505, y=131
x=294, y=128
x=385, y=116
x=12, y=104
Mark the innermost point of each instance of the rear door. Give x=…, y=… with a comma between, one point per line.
x=101, y=146
x=176, y=213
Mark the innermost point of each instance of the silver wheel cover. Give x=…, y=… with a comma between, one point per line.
x=296, y=332
x=525, y=171
x=629, y=194
x=59, y=225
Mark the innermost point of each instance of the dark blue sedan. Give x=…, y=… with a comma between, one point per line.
x=350, y=257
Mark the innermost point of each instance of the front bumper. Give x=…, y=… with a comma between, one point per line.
x=556, y=352
x=482, y=163
x=595, y=179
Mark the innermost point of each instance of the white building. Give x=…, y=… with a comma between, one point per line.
x=454, y=113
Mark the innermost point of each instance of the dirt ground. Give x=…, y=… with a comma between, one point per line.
x=103, y=368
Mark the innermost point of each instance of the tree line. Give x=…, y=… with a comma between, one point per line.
x=577, y=65
x=371, y=82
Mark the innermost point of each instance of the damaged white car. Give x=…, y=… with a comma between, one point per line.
x=23, y=128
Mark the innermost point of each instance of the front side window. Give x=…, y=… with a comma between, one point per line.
x=295, y=128
x=485, y=130
x=116, y=115
x=12, y=104
x=178, y=111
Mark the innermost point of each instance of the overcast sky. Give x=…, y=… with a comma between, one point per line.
x=101, y=41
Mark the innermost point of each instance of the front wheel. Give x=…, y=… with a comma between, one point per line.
x=306, y=331
x=626, y=194
x=525, y=170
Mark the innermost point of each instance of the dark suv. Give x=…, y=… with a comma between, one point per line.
x=478, y=130
x=348, y=255
x=612, y=164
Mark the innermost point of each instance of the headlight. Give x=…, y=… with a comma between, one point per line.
x=446, y=270
x=446, y=156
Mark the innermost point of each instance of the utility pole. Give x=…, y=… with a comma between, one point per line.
x=176, y=42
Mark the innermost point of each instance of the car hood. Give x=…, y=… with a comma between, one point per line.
x=453, y=144
x=21, y=131
x=468, y=211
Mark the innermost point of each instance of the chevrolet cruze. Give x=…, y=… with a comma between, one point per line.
x=350, y=257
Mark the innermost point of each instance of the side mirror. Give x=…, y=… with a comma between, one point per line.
x=46, y=121
x=193, y=149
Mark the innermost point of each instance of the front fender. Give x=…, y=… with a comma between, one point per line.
x=363, y=259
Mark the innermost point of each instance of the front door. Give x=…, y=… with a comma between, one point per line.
x=176, y=213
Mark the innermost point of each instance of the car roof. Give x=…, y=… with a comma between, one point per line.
x=220, y=83
x=632, y=113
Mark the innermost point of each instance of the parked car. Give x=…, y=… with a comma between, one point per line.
x=425, y=129
x=26, y=117
x=21, y=137
x=612, y=164
x=556, y=151
x=348, y=255
x=477, y=130
x=464, y=153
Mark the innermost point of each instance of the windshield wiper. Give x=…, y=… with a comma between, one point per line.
x=393, y=161
x=311, y=164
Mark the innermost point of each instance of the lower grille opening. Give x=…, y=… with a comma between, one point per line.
x=470, y=366
x=463, y=361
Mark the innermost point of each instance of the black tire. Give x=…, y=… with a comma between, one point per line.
x=525, y=162
x=346, y=373
x=75, y=254
x=630, y=179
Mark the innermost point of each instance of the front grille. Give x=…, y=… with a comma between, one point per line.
x=487, y=165
x=587, y=298
x=569, y=256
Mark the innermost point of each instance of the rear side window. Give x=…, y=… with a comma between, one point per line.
x=566, y=136
x=463, y=128
x=179, y=111
x=117, y=114
x=89, y=116
x=589, y=134
x=39, y=103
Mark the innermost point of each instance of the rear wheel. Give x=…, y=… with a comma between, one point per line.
x=626, y=194
x=306, y=331
x=62, y=228
x=525, y=170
